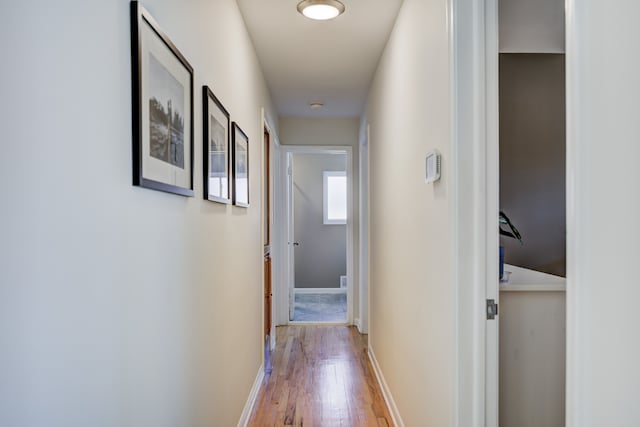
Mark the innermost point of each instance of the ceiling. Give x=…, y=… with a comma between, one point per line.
x=307, y=61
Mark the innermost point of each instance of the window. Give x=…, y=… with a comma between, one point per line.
x=335, y=197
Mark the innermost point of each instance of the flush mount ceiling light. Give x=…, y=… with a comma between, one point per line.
x=321, y=10
x=316, y=105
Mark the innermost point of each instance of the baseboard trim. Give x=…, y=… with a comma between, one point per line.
x=299, y=323
x=251, y=401
x=320, y=290
x=386, y=392
x=356, y=323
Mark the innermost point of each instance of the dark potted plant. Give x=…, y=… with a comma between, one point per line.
x=513, y=232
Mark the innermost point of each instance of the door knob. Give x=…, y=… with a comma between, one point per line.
x=296, y=243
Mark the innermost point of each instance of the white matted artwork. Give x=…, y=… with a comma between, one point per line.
x=215, y=149
x=162, y=109
x=240, y=167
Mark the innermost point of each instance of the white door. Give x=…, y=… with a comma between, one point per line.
x=291, y=243
x=476, y=153
x=492, y=209
x=364, y=234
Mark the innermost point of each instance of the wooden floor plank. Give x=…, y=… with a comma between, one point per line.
x=321, y=377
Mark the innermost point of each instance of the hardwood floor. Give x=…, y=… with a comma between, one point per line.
x=321, y=377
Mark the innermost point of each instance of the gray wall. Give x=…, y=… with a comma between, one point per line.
x=532, y=159
x=321, y=258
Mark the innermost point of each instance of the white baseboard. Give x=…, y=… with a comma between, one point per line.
x=356, y=322
x=386, y=392
x=298, y=323
x=320, y=290
x=251, y=401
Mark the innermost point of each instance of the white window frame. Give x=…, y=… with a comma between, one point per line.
x=325, y=208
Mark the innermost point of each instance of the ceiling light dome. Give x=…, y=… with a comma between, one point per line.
x=321, y=10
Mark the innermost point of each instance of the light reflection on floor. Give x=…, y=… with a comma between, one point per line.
x=335, y=386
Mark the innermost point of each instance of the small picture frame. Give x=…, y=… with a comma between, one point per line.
x=240, y=167
x=215, y=149
x=162, y=101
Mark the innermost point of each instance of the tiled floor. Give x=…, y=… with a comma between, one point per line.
x=320, y=308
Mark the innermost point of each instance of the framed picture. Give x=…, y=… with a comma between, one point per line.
x=162, y=87
x=215, y=149
x=240, y=167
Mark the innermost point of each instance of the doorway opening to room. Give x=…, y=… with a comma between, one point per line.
x=269, y=336
x=319, y=237
x=526, y=196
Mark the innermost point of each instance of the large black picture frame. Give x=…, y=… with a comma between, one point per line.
x=240, y=167
x=216, y=126
x=162, y=149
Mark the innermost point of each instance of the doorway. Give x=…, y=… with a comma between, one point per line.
x=269, y=336
x=532, y=191
x=476, y=155
x=525, y=170
x=319, y=237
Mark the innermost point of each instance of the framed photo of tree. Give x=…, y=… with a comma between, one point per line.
x=240, y=167
x=215, y=149
x=162, y=89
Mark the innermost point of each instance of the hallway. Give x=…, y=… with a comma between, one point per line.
x=132, y=296
x=321, y=377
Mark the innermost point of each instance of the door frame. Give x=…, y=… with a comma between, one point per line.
x=492, y=208
x=276, y=273
x=475, y=88
x=362, y=322
x=282, y=227
x=473, y=38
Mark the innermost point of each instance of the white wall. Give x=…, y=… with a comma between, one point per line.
x=115, y=301
x=531, y=26
x=412, y=328
x=604, y=202
x=319, y=131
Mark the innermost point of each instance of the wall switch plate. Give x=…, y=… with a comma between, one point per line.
x=433, y=165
